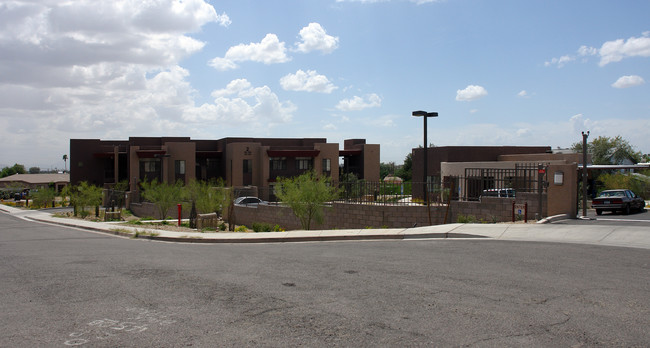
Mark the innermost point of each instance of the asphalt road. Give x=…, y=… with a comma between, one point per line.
x=66, y=287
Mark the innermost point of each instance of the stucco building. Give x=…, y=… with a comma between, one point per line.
x=238, y=161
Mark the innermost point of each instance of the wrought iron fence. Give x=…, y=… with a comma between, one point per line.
x=378, y=193
x=493, y=182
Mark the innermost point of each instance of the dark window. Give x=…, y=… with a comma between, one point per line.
x=179, y=170
x=180, y=167
x=248, y=166
x=150, y=169
x=327, y=165
x=304, y=163
x=278, y=163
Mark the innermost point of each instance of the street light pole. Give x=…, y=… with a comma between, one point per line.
x=584, y=173
x=425, y=115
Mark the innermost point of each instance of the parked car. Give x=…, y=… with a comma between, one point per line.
x=249, y=201
x=502, y=193
x=618, y=200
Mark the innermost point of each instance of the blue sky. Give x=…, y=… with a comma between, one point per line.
x=498, y=72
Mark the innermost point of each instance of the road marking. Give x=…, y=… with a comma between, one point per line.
x=138, y=321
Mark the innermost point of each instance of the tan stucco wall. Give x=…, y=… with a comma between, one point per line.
x=180, y=151
x=563, y=198
x=371, y=162
x=331, y=152
x=236, y=154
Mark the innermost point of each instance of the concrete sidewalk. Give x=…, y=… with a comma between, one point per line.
x=623, y=236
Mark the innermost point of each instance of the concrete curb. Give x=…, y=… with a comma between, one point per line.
x=317, y=236
x=543, y=231
x=554, y=218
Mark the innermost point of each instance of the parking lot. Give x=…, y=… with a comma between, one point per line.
x=608, y=218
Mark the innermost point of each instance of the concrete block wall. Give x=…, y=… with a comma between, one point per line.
x=359, y=216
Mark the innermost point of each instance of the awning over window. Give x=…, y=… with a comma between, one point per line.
x=150, y=153
x=292, y=153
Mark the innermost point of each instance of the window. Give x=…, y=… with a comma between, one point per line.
x=304, y=163
x=150, y=169
x=150, y=165
x=278, y=163
x=248, y=166
x=327, y=165
x=180, y=167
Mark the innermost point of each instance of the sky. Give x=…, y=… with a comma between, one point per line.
x=498, y=72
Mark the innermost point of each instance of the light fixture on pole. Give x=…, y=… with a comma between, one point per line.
x=425, y=115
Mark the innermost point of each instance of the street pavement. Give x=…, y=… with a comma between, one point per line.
x=488, y=286
x=551, y=229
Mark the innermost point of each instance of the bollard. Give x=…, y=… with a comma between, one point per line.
x=179, y=214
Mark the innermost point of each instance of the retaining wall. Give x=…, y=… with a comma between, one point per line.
x=353, y=216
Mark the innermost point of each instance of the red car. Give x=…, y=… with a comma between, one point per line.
x=622, y=200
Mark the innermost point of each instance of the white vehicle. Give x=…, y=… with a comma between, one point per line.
x=501, y=193
x=249, y=201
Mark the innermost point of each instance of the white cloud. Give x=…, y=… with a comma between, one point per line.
x=314, y=38
x=522, y=132
x=99, y=69
x=268, y=51
x=358, y=103
x=470, y=93
x=47, y=44
x=615, y=51
x=610, y=51
x=587, y=51
x=241, y=103
x=628, y=81
x=559, y=61
x=309, y=81
x=522, y=94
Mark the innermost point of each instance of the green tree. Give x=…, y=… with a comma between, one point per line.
x=606, y=150
x=42, y=197
x=209, y=197
x=163, y=195
x=305, y=195
x=386, y=169
x=638, y=183
x=406, y=172
x=83, y=196
x=34, y=170
x=15, y=169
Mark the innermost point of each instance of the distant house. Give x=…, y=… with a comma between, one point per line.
x=36, y=181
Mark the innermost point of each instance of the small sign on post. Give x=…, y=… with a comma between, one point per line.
x=179, y=213
x=519, y=210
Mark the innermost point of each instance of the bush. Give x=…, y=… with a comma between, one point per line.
x=261, y=227
x=43, y=197
x=465, y=219
x=241, y=228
